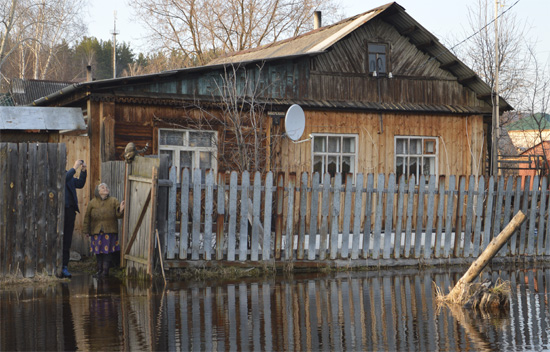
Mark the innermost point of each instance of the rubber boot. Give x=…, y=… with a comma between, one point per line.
x=106, y=267
x=99, y=266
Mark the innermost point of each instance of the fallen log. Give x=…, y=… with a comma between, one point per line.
x=462, y=292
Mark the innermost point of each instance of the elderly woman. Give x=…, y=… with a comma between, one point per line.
x=100, y=222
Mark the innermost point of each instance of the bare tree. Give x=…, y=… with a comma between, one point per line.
x=204, y=29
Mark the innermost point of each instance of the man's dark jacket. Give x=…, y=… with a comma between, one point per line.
x=71, y=184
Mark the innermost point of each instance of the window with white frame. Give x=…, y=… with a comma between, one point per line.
x=189, y=148
x=415, y=156
x=334, y=153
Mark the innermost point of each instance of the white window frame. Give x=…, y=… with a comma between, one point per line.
x=176, y=149
x=339, y=154
x=424, y=154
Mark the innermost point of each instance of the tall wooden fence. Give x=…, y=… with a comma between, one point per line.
x=32, y=187
x=309, y=218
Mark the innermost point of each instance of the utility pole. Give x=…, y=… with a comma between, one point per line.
x=114, y=33
x=496, y=100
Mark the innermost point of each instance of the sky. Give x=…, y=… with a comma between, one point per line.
x=446, y=19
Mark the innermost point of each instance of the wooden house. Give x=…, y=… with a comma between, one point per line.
x=380, y=94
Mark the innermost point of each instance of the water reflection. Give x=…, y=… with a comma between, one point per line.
x=340, y=312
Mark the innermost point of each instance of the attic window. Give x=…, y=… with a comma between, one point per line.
x=377, y=58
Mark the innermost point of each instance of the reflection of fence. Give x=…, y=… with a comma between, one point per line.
x=271, y=220
x=32, y=187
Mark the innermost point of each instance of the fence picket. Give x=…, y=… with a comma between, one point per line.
x=220, y=219
x=41, y=206
x=21, y=190
x=335, y=215
x=479, y=216
x=458, y=249
x=533, y=216
x=547, y=232
x=440, y=217
x=232, y=234
x=289, y=243
x=525, y=210
x=344, y=250
x=377, y=233
x=208, y=213
x=542, y=208
x=469, y=217
x=184, y=207
x=268, y=199
x=408, y=225
x=197, y=195
x=279, y=214
x=243, y=229
x=368, y=215
x=497, y=220
x=357, y=217
x=419, y=217
x=449, y=216
x=507, y=205
x=30, y=240
x=170, y=249
x=429, y=222
x=517, y=203
x=389, y=217
x=314, y=211
x=488, y=214
x=255, y=242
x=303, y=215
x=325, y=213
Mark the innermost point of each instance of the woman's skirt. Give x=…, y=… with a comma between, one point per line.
x=104, y=243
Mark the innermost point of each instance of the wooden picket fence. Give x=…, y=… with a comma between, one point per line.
x=32, y=187
x=309, y=218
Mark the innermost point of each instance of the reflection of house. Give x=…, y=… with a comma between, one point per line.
x=526, y=133
x=380, y=94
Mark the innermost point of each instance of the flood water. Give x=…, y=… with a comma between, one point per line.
x=356, y=311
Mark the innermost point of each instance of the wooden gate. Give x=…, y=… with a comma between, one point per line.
x=138, y=236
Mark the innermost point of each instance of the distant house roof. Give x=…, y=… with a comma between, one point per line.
x=538, y=121
x=41, y=118
x=25, y=91
x=6, y=99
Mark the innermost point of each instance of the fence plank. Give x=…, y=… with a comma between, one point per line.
x=323, y=243
x=255, y=244
x=170, y=249
x=400, y=214
x=497, y=219
x=410, y=213
x=51, y=242
x=440, y=217
x=389, y=217
x=197, y=195
x=220, y=211
x=459, y=214
x=488, y=214
x=479, y=216
x=208, y=214
x=541, y=210
x=357, y=217
x=268, y=199
x=303, y=214
x=449, y=216
x=547, y=232
x=517, y=203
x=243, y=230
x=20, y=229
x=525, y=210
x=315, y=184
x=377, y=233
x=232, y=235
x=4, y=207
x=368, y=215
x=41, y=208
x=507, y=205
x=279, y=218
x=335, y=215
x=429, y=222
x=469, y=217
x=10, y=197
x=289, y=245
x=419, y=217
x=533, y=215
x=344, y=250
x=30, y=239
x=184, y=208
x=61, y=163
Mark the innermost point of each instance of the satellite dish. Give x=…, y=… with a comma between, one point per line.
x=295, y=122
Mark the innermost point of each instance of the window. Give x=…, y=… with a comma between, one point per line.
x=334, y=153
x=415, y=156
x=191, y=149
x=377, y=58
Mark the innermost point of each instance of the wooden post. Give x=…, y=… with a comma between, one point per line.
x=491, y=250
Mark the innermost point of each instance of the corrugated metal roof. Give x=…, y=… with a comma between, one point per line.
x=538, y=121
x=25, y=91
x=41, y=118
